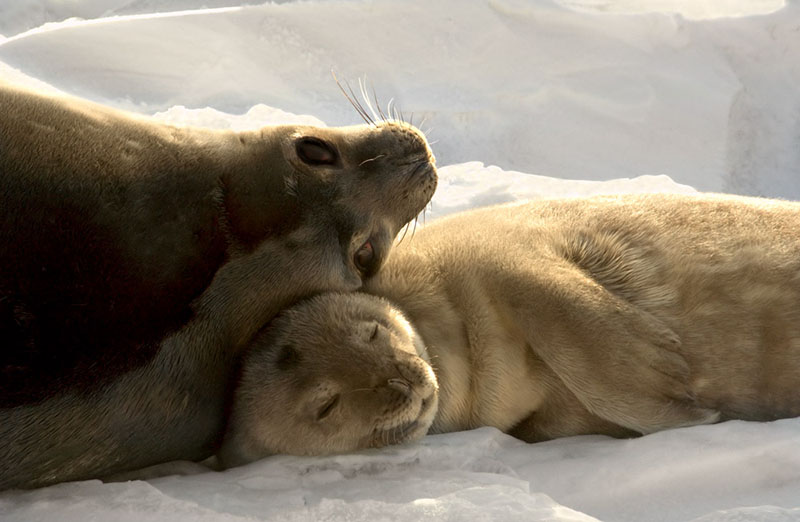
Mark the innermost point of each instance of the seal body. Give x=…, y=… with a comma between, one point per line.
x=137, y=258
x=616, y=315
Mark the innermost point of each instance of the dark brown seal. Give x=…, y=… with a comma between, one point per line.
x=137, y=258
x=613, y=315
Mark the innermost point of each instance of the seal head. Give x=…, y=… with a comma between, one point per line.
x=337, y=373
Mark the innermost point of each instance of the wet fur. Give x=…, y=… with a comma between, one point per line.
x=617, y=315
x=138, y=258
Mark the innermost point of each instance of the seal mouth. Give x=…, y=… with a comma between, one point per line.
x=405, y=430
x=397, y=434
x=408, y=431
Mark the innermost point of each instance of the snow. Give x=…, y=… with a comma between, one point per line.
x=521, y=99
x=534, y=86
x=725, y=472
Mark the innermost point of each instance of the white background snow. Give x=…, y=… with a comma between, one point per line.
x=521, y=99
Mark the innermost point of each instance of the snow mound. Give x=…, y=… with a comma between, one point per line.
x=531, y=86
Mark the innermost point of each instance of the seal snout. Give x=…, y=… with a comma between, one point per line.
x=412, y=141
x=400, y=385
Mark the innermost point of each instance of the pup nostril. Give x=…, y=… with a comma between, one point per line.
x=425, y=403
x=400, y=385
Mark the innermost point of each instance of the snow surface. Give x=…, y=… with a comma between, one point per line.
x=622, y=96
x=529, y=85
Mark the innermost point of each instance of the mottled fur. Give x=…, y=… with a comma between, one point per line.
x=617, y=315
x=138, y=258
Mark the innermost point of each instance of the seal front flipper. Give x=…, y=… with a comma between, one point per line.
x=622, y=363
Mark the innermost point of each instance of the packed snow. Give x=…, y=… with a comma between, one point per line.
x=521, y=99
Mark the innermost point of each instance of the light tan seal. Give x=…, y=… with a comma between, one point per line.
x=138, y=258
x=612, y=315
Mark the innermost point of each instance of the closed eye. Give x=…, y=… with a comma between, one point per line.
x=374, y=332
x=328, y=407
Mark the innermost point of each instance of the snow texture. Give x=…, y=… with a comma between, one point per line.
x=570, y=91
x=599, y=96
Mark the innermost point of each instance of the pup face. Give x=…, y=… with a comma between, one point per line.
x=336, y=373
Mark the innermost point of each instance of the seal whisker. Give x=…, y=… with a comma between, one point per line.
x=392, y=114
x=356, y=390
x=357, y=104
x=398, y=114
x=405, y=231
x=371, y=159
x=362, y=86
x=414, y=230
x=360, y=107
x=352, y=100
x=378, y=105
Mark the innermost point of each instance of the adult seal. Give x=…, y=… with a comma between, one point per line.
x=138, y=258
x=618, y=315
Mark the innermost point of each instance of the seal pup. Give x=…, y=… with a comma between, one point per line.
x=617, y=315
x=138, y=258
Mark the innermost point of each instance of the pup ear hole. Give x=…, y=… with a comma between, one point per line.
x=287, y=357
x=314, y=151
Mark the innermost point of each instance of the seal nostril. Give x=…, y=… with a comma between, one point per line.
x=400, y=385
x=424, y=406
